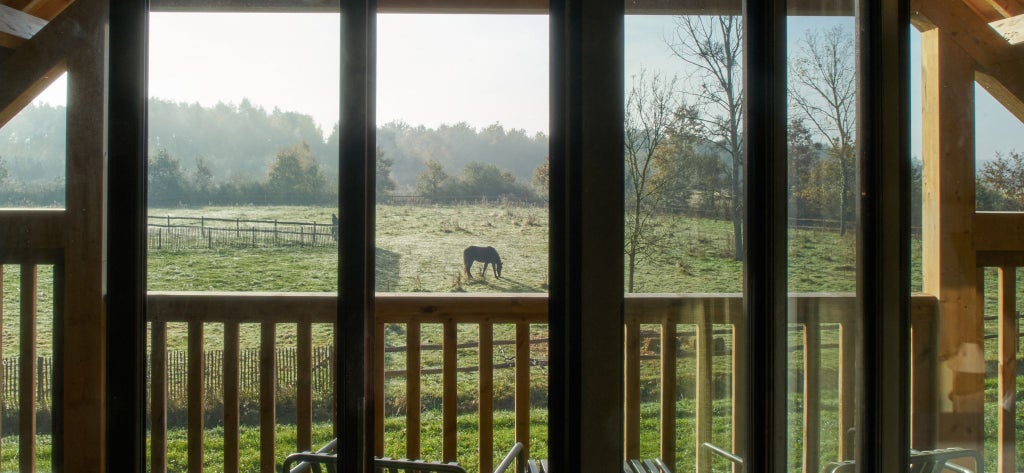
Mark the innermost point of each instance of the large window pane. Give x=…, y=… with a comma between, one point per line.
x=462, y=216
x=243, y=184
x=822, y=236
x=684, y=237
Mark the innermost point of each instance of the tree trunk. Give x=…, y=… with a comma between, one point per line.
x=632, y=269
x=737, y=211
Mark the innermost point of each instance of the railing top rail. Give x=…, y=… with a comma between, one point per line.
x=255, y=307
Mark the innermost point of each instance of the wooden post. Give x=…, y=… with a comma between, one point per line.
x=378, y=390
x=948, y=256
x=1007, y=401
x=84, y=311
x=812, y=388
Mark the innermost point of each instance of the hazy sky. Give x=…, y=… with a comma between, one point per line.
x=432, y=69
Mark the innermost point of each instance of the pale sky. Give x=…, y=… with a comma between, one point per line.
x=432, y=69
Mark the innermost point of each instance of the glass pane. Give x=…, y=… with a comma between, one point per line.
x=32, y=151
x=684, y=237
x=822, y=235
x=462, y=217
x=243, y=199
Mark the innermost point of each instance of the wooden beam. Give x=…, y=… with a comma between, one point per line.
x=520, y=7
x=47, y=9
x=999, y=231
x=18, y=23
x=999, y=65
x=948, y=254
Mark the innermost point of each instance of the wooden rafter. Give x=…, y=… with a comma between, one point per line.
x=1000, y=65
x=41, y=60
x=19, y=24
x=993, y=10
x=1012, y=29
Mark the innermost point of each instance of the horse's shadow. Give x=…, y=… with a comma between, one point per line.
x=388, y=270
x=509, y=284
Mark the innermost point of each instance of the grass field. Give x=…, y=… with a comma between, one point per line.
x=419, y=249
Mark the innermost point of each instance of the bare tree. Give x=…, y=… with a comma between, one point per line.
x=712, y=47
x=823, y=90
x=650, y=113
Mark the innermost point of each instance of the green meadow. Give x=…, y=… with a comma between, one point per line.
x=419, y=249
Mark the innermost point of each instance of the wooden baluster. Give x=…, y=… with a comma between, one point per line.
x=196, y=404
x=378, y=390
x=705, y=351
x=27, y=372
x=1007, y=368
x=449, y=426
x=231, y=405
x=412, y=390
x=486, y=396
x=668, y=392
x=158, y=398
x=523, y=386
x=632, y=394
x=3, y=380
x=812, y=386
x=924, y=372
x=736, y=317
x=268, y=396
x=304, y=386
x=847, y=395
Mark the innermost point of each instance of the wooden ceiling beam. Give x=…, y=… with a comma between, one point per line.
x=993, y=10
x=41, y=60
x=639, y=7
x=18, y=23
x=47, y=9
x=1011, y=29
x=1000, y=65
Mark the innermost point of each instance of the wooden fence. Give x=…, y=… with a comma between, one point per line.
x=43, y=381
x=189, y=233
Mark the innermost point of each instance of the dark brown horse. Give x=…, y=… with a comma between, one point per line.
x=484, y=254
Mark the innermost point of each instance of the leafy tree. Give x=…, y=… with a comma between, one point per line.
x=488, y=181
x=203, y=177
x=824, y=92
x=4, y=173
x=1005, y=177
x=712, y=46
x=167, y=183
x=432, y=181
x=295, y=177
x=650, y=106
x=385, y=184
x=804, y=155
x=542, y=177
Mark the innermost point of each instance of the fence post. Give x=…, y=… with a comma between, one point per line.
x=275, y=233
x=254, y=236
x=159, y=238
x=314, y=234
x=209, y=241
x=238, y=229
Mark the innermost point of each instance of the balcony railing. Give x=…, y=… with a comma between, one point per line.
x=697, y=313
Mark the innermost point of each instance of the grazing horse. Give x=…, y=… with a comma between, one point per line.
x=334, y=227
x=484, y=254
